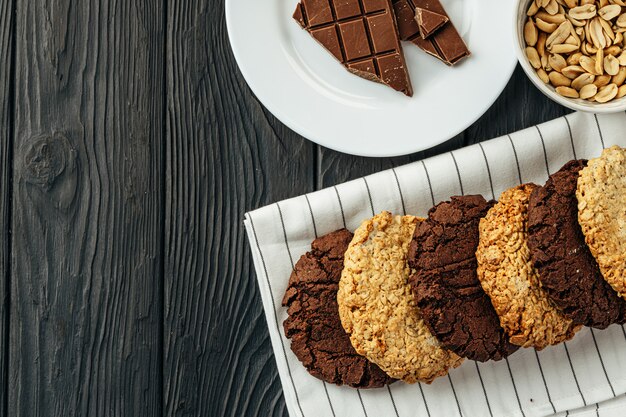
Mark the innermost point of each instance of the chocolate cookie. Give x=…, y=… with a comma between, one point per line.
x=601, y=198
x=442, y=256
x=567, y=270
x=506, y=274
x=313, y=325
x=377, y=308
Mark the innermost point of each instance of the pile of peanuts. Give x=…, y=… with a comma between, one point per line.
x=577, y=46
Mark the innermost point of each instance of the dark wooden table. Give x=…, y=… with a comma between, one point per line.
x=130, y=147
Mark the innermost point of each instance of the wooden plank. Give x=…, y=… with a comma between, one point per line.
x=6, y=66
x=225, y=155
x=519, y=106
x=86, y=273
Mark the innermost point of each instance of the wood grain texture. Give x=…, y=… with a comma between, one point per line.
x=225, y=156
x=519, y=106
x=132, y=286
x=6, y=100
x=85, y=322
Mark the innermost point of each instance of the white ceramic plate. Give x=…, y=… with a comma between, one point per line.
x=307, y=89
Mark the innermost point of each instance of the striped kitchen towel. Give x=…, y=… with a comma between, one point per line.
x=583, y=377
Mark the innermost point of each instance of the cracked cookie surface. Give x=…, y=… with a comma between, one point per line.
x=442, y=255
x=601, y=195
x=506, y=274
x=377, y=308
x=313, y=325
x=567, y=270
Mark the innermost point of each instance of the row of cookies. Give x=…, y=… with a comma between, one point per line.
x=410, y=298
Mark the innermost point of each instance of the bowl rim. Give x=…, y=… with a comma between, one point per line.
x=519, y=20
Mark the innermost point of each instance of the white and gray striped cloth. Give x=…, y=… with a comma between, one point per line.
x=583, y=377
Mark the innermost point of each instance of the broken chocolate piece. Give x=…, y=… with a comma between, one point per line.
x=361, y=34
x=429, y=22
x=446, y=44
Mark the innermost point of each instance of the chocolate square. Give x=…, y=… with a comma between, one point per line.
x=383, y=39
x=327, y=36
x=355, y=42
x=347, y=8
x=318, y=12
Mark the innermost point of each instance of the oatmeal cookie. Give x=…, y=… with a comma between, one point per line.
x=377, y=308
x=506, y=274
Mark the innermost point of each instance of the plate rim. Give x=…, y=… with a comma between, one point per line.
x=308, y=135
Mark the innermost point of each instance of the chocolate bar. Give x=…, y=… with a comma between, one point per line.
x=361, y=34
x=429, y=22
x=446, y=44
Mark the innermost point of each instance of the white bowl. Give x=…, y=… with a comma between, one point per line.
x=520, y=17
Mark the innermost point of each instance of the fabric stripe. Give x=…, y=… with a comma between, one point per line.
x=362, y=404
x=545, y=384
x=599, y=131
x=519, y=170
x=399, y=191
x=393, y=402
x=312, y=217
x=508, y=365
x=343, y=216
x=571, y=137
x=569, y=359
x=269, y=286
x=430, y=185
x=484, y=390
x=458, y=172
x=458, y=405
x=493, y=195
x=330, y=403
x=602, y=361
x=424, y=399
x=545, y=153
x=282, y=223
x=369, y=195
x=293, y=267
